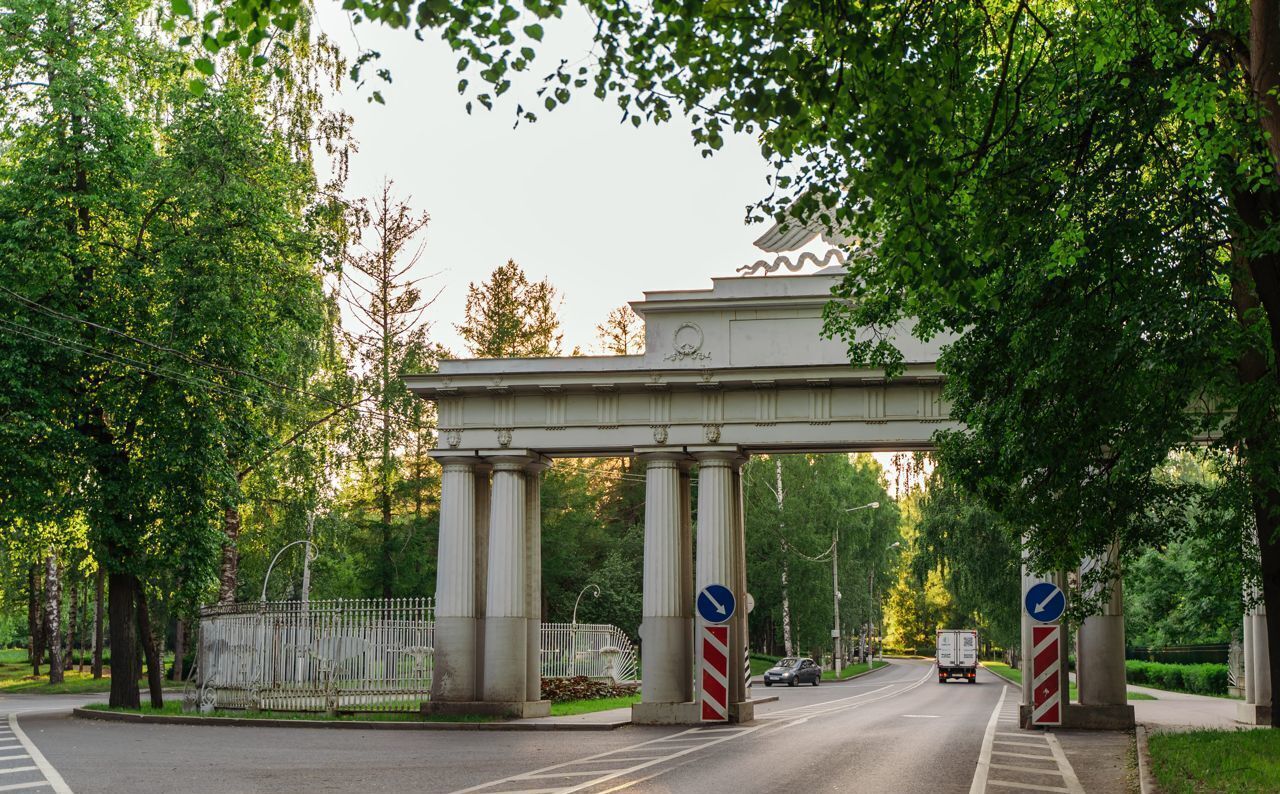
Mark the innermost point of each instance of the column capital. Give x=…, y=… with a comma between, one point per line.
x=652, y=455
x=718, y=454
x=512, y=459
x=456, y=458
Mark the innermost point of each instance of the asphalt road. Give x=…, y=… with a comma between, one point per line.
x=895, y=730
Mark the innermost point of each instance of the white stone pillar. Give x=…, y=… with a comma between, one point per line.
x=453, y=678
x=1100, y=659
x=738, y=631
x=667, y=639
x=1261, y=660
x=506, y=623
x=687, y=576
x=483, y=486
x=533, y=578
x=717, y=552
x=1250, y=695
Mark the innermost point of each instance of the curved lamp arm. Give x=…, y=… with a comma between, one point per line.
x=267, y=578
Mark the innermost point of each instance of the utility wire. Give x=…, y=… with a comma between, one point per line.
x=189, y=358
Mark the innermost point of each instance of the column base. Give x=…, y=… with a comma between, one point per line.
x=1253, y=714
x=453, y=676
x=505, y=661
x=686, y=713
x=519, y=709
x=1087, y=717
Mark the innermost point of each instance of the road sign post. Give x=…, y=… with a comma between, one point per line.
x=715, y=605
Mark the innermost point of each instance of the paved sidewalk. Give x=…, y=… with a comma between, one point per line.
x=1179, y=711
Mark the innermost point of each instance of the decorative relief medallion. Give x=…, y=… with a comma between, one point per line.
x=453, y=438
x=711, y=433
x=659, y=434
x=504, y=437
x=687, y=343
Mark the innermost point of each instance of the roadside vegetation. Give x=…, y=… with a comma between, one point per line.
x=1231, y=762
x=851, y=670
x=1015, y=675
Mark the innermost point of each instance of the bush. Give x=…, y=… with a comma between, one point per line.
x=562, y=690
x=1200, y=679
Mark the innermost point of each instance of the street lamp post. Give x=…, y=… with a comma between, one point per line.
x=573, y=622
x=835, y=587
x=310, y=551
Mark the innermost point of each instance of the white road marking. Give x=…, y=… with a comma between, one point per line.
x=54, y=779
x=1023, y=755
x=922, y=716
x=1032, y=786
x=979, y=784
x=17, y=786
x=686, y=742
x=18, y=769
x=1068, y=774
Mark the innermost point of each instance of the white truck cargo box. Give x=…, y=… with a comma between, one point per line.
x=957, y=655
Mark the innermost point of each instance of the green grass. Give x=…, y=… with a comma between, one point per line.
x=588, y=706
x=1002, y=669
x=760, y=663
x=16, y=678
x=173, y=708
x=1231, y=762
x=851, y=670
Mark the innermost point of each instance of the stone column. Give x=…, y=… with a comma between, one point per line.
x=1100, y=655
x=738, y=631
x=506, y=634
x=1250, y=694
x=453, y=678
x=533, y=578
x=1261, y=665
x=1026, y=648
x=719, y=533
x=483, y=486
x=686, y=575
x=668, y=652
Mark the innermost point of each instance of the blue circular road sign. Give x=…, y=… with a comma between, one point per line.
x=1045, y=602
x=716, y=603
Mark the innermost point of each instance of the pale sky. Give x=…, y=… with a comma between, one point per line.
x=604, y=210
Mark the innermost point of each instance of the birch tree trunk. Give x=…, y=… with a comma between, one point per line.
x=52, y=611
x=787, y=646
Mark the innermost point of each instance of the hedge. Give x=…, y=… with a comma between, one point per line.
x=1200, y=679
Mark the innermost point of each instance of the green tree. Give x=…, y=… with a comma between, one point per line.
x=976, y=557
x=510, y=317
x=622, y=333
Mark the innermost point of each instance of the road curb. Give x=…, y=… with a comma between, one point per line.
x=1004, y=678
x=1146, y=780
x=368, y=725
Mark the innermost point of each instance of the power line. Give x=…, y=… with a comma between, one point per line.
x=189, y=358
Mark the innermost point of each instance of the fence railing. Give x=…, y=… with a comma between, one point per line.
x=1181, y=654
x=359, y=655
x=598, y=650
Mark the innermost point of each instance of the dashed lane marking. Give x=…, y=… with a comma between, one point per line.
x=677, y=746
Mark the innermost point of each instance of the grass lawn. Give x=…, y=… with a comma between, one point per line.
x=588, y=706
x=1000, y=668
x=761, y=663
x=15, y=677
x=173, y=708
x=1232, y=762
x=851, y=670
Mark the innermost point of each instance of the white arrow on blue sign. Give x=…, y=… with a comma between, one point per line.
x=1045, y=602
x=716, y=603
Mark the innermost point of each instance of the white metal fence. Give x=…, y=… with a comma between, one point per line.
x=597, y=650
x=359, y=655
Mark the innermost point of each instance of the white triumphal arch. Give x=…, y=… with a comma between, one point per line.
x=729, y=371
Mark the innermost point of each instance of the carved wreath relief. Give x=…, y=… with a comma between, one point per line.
x=687, y=343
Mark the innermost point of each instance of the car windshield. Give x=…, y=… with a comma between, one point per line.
x=788, y=663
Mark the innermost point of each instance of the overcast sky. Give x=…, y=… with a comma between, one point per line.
x=604, y=210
